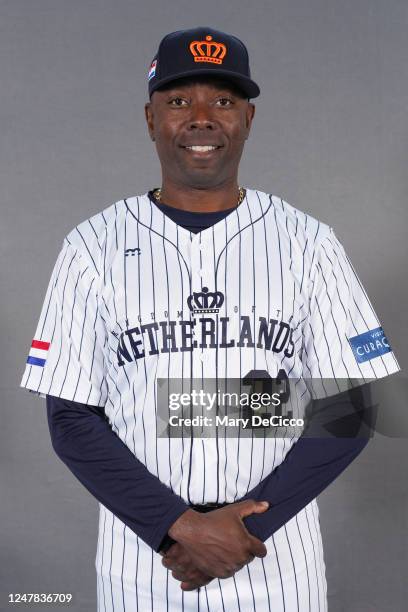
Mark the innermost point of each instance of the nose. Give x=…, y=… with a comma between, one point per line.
x=201, y=117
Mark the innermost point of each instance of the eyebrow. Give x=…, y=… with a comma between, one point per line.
x=224, y=90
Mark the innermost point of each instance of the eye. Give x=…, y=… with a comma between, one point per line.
x=177, y=102
x=224, y=102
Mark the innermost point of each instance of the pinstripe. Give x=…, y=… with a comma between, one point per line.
x=87, y=248
x=293, y=565
x=154, y=389
x=124, y=269
x=314, y=555
x=334, y=320
x=280, y=575
x=154, y=310
x=280, y=260
x=216, y=371
x=290, y=243
x=104, y=250
x=168, y=319
x=110, y=563
x=240, y=356
x=136, y=577
x=61, y=319
x=206, y=599
x=121, y=328
x=225, y=350
x=317, y=534
x=236, y=592
x=182, y=359
x=317, y=232
x=303, y=265
x=151, y=580
x=139, y=306
x=266, y=585
x=222, y=598
x=316, y=359
x=202, y=382
x=102, y=556
x=254, y=303
x=93, y=358
x=250, y=586
x=82, y=330
x=123, y=564
x=96, y=235
x=116, y=225
x=265, y=242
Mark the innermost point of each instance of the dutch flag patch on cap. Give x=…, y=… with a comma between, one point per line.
x=152, y=70
x=38, y=353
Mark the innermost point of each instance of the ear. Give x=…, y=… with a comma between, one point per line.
x=250, y=113
x=149, y=119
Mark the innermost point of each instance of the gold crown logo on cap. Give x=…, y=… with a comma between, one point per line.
x=208, y=50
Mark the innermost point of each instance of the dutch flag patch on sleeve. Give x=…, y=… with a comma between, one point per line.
x=38, y=353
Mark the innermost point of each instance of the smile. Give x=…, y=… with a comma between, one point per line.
x=202, y=148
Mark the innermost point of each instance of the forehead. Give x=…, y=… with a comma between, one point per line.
x=211, y=82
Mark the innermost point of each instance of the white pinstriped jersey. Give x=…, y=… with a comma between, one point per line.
x=124, y=307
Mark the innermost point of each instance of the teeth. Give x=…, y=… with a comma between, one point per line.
x=201, y=148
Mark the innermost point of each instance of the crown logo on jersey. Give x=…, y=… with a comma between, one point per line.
x=205, y=301
x=208, y=50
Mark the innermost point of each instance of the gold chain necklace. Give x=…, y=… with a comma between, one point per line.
x=158, y=194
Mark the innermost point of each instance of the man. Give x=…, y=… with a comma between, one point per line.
x=201, y=279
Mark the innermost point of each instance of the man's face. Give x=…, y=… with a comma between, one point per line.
x=204, y=112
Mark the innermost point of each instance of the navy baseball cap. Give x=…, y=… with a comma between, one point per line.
x=202, y=51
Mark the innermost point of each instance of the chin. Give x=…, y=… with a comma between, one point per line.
x=202, y=181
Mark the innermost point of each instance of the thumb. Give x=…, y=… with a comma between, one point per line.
x=249, y=506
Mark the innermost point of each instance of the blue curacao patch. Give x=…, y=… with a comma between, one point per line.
x=369, y=345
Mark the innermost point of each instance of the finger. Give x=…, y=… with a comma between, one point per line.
x=191, y=585
x=191, y=577
x=180, y=576
x=172, y=553
x=187, y=586
x=172, y=564
x=249, y=506
x=257, y=547
x=188, y=575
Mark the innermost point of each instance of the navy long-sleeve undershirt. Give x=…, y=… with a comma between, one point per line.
x=84, y=441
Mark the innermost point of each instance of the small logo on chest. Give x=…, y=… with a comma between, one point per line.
x=132, y=252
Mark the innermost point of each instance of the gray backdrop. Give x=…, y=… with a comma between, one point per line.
x=329, y=136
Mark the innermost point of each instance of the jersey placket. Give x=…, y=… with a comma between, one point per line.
x=202, y=275
x=201, y=254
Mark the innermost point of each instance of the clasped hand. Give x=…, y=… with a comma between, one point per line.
x=212, y=545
